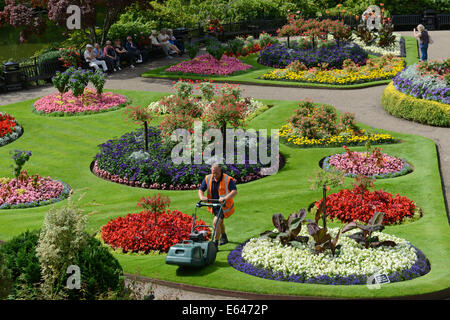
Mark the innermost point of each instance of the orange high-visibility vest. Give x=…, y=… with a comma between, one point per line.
x=228, y=208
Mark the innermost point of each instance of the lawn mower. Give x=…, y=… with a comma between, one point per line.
x=197, y=251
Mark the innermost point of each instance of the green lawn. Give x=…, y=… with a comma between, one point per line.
x=63, y=148
x=251, y=76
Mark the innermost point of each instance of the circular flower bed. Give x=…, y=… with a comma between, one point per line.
x=34, y=191
x=10, y=130
x=269, y=259
x=280, y=56
x=88, y=103
x=146, y=231
x=355, y=163
x=123, y=161
x=208, y=65
x=357, y=205
x=319, y=125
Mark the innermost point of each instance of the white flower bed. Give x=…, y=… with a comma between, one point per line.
x=252, y=106
x=374, y=49
x=353, y=259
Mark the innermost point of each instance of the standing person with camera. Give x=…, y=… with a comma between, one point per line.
x=424, y=39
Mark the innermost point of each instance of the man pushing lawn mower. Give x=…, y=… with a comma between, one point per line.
x=222, y=187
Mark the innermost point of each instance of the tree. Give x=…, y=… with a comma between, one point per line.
x=30, y=14
x=140, y=115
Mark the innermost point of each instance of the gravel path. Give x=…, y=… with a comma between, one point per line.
x=365, y=103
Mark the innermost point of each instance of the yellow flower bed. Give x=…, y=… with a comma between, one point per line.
x=337, y=76
x=288, y=133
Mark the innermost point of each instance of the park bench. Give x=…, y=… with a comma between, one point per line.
x=29, y=73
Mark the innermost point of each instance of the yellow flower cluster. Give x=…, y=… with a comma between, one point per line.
x=288, y=133
x=338, y=76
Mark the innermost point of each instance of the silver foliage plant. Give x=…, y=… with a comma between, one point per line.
x=62, y=235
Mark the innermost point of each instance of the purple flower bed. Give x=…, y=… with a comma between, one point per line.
x=279, y=56
x=121, y=160
x=208, y=65
x=421, y=90
x=421, y=267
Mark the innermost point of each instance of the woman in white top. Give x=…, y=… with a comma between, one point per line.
x=90, y=58
x=165, y=39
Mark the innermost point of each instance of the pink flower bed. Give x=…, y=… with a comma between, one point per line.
x=29, y=190
x=366, y=163
x=89, y=102
x=208, y=65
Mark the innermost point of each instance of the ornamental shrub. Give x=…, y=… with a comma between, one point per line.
x=20, y=261
x=100, y=271
x=5, y=278
x=215, y=49
x=20, y=158
x=192, y=49
x=62, y=236
x=98, y=79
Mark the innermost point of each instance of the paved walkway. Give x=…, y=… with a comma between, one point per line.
x=365, y=103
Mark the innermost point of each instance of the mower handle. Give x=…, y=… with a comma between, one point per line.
x=216, y=203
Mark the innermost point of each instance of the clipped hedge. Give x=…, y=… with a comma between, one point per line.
x=419, y=110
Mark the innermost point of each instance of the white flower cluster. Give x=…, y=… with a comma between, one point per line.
x=16, y=132
x=252, y=106
x=374, y=49
x=353, y=259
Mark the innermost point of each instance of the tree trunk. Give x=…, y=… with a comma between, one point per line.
x=146, y=135
x=223, y=128
x=324, y=207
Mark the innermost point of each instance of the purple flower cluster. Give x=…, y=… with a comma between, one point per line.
x=421, y=90
x=421, y=267
x=279, y=56
x=114, y=162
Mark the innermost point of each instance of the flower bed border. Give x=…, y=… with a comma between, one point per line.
x=105, y=175
x=8, y=139
x=64, y=195
x=424, y=111
x=84, y=113
x=346, y=143
x=421, y=267
x=407, y=168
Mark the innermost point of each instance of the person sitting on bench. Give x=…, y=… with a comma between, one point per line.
x=89, y=56
x=156, y=43
x=133, y=49
x=164, y=39
x=123, y=54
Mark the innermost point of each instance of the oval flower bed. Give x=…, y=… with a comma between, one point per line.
x=34, y=191
x=123, y=161
x=360, y=205
x=269, y=259
x=376, y=165
x=88, y=103
x=146, y=231
x=352, y=74
x=10, y=130
x=208, y=65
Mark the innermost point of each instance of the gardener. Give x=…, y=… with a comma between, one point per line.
x=220, y=186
